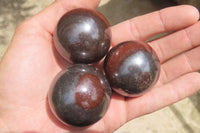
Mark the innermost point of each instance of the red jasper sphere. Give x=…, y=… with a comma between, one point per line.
x=82, y=36
x=79, y=95
x=132, y=68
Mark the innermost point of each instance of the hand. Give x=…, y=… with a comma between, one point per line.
x=29, y=66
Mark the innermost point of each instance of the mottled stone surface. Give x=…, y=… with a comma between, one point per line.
x=132, y=68
x=182, y=117
x=82, y=36
x=79, y=95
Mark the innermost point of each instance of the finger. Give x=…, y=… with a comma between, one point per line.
x=41, y=26
x=49, y=17
x=181, y=65
x=163, y=96
x=146, y=26
x=176, y=43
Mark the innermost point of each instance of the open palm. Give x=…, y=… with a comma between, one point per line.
x=30, y=64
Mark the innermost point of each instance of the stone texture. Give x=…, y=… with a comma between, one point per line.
x=182, y=117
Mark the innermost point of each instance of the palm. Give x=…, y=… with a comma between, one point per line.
x=34, y=66
x=30, y=64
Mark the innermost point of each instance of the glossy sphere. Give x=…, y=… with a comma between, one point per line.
x=132, y=68
x=82, y=36
x=79, y=95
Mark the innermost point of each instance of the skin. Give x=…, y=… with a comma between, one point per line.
x=29, y=66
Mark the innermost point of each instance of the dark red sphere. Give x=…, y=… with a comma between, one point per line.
x=79, y=95
x=82, y=36
x=132, y=68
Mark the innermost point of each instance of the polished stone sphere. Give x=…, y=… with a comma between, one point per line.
x=82, y=36
x=79, y=95
x=132, y=68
